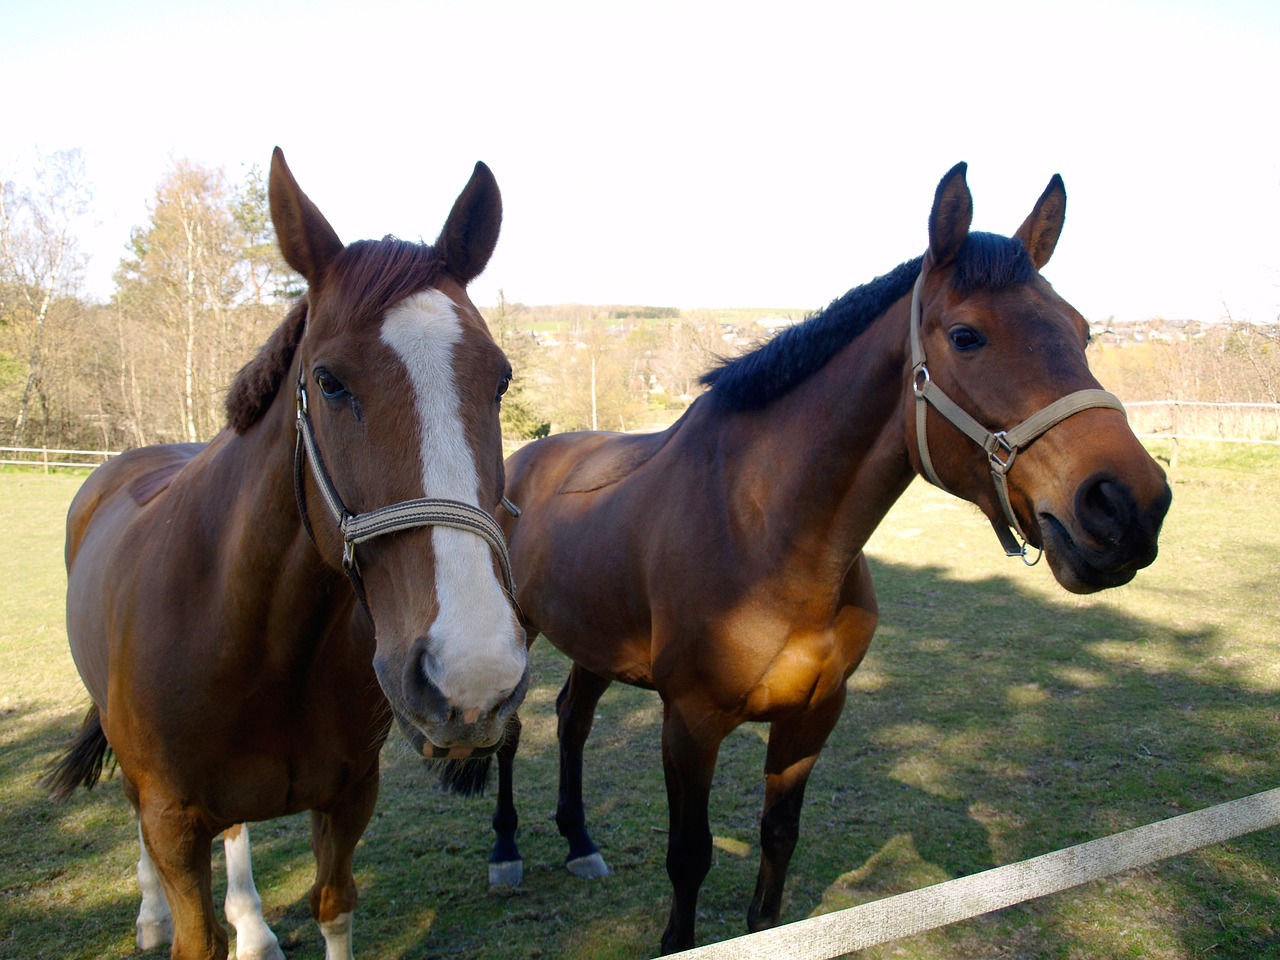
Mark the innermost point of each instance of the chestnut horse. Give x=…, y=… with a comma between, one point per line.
x=721, y=562
x=243, y=621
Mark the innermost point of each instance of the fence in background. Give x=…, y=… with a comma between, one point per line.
x=1176, y=420
x=1171, y=420
x=48, y=458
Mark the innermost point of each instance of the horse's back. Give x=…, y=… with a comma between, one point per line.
x=541, y=466
x=97, y=547
x=582, y=462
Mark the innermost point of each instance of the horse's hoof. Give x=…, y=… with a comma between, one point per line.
x=246, y=949
x=590, y=867
x=155, y=933
x=273, y=952
x=510, y=873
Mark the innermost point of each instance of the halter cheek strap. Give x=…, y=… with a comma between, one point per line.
x=1001, y=446
x=408, y=514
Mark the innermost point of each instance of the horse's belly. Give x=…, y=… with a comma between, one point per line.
x=93, y=588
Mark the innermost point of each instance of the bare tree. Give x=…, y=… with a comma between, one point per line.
x=39, y=265
x=183, y=280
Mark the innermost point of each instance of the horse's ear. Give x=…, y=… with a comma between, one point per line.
x=950, y=217
x=306, y=239
x=469, y=235
x=1040, y=231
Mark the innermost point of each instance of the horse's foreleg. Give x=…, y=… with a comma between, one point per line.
x=180, y=848
x=155, y=922
x=334, y=835
x=794, y=745
x=243, y=906
x=506, y=868
x=576, y=710
x=689, y=751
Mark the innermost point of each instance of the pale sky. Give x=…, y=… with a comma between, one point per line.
x=694, y=154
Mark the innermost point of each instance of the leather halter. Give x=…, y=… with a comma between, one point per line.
x=1001, y=446
x=408, y=514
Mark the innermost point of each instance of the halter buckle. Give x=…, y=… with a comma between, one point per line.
x=1001, y=442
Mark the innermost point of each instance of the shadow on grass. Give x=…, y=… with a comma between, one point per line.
x=987, y=725
x=61, y=889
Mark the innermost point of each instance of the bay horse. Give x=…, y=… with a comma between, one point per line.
x=248, y=615
x=721, y=562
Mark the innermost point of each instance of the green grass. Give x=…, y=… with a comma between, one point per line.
x=996, y=718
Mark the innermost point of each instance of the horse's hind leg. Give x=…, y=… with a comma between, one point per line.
x=243, y=906
x=334, y=835
x=576, y=709
x=506, y=867
x=793, y=749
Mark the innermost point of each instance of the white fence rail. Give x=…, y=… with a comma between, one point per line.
x=881, y=921
x=48, y=457
x=1203, y=420
x=1171, y=420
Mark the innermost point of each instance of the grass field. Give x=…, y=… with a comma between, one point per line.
x=996, y=718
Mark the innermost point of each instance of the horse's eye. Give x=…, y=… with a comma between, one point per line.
x=502, y=386
x=965, y=338
x=329, y=385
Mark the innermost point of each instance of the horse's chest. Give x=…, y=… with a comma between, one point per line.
x=770, y=666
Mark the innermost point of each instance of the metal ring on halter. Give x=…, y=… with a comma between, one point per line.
x=917, y=384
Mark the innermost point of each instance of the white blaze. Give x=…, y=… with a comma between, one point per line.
x=473, y=651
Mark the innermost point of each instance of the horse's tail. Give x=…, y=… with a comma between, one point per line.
x=466, y=777
x=82, y=762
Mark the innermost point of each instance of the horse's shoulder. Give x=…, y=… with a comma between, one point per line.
x=148, y=471
x=610, y=458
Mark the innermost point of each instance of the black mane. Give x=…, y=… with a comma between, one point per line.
x=754, y=379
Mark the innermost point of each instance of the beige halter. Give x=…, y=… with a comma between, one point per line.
x=997, y=444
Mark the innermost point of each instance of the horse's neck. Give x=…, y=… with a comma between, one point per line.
x=263, y=532
x=838, y=441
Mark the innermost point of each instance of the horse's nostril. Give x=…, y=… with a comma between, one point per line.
x=424, y=695
x=1106, y=510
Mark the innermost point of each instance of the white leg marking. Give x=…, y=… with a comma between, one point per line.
x=590, y=867
x=337, y=938
x=474, y=650
x=254, y=939
x=509, y=873
x=155, y=922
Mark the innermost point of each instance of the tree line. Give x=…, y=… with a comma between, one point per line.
x=196, y=290
x=201, y=284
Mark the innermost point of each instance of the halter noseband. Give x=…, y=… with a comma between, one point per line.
x=998, y=444
x=357, y=528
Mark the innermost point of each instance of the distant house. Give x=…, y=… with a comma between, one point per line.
x=774, y=324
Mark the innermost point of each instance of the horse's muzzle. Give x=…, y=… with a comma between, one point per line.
x=1107, y=539
x=439, y=729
